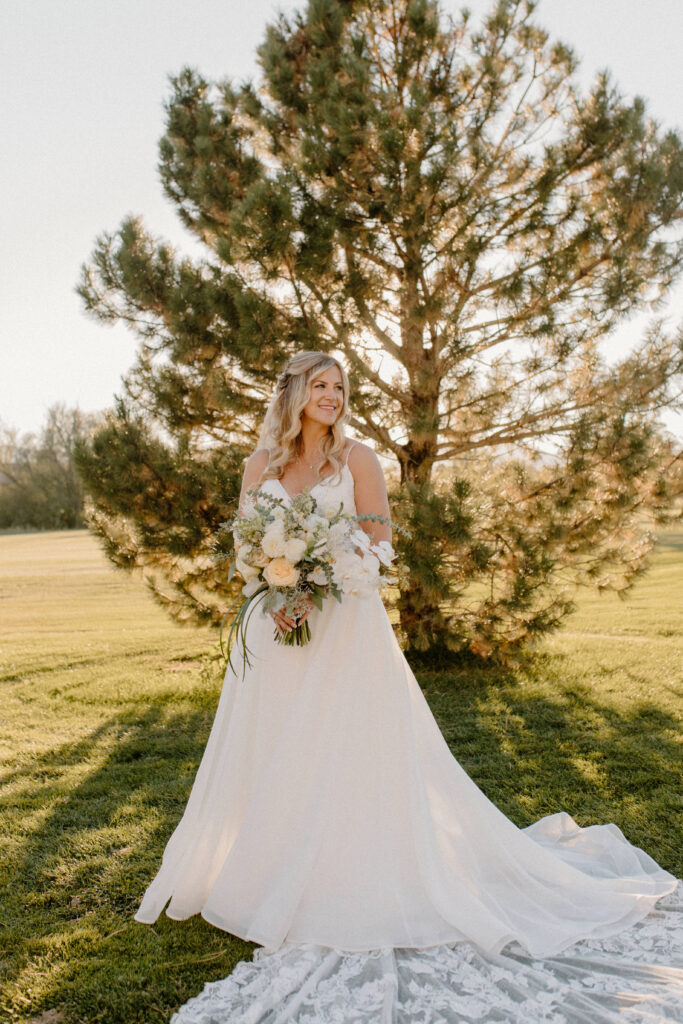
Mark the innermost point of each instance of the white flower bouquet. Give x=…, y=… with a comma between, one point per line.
x=291, y=554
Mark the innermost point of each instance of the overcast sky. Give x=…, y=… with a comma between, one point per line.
x=83, y=84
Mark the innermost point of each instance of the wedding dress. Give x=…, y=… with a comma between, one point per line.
x=330, y=823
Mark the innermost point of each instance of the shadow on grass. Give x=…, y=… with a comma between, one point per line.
x=97, y=814
x=93, y=842
x=537, y=742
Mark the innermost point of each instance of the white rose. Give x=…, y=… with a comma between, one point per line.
x=281, y=573
x=245, y=570
x=294, y=549
x=273, y=542
x=260, y=558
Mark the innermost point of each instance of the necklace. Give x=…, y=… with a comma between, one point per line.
x=301, y=459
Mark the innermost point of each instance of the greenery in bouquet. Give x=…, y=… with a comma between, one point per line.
x=292, y=554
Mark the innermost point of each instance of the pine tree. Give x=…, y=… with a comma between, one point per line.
x=440, y=205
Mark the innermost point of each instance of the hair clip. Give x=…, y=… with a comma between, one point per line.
x=283, y=379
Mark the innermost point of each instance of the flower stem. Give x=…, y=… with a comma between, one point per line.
x=299, y=636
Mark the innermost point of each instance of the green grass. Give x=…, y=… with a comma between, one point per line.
x=106, y=707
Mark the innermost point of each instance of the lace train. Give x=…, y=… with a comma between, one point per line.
x=635, y=977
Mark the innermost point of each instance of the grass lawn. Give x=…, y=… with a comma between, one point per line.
x=106, y=707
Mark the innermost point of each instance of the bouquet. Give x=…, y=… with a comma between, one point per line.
x=291, y=554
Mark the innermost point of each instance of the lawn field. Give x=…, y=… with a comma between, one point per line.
x=107, y=705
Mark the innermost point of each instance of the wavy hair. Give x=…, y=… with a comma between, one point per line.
x=281, y=429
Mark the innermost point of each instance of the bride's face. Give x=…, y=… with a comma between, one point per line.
x=326, y=397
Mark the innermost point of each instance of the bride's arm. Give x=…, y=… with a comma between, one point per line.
x=370, y=491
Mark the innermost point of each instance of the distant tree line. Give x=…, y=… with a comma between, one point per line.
x=40, y=488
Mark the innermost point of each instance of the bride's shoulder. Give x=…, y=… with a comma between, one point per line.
x=255, y=466
x=258, y=460
x=361, y=459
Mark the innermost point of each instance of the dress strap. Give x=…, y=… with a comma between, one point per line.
x=353, y=443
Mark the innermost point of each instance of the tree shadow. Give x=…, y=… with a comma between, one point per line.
x=79, y=873
x=92, y=846
x=535, y=753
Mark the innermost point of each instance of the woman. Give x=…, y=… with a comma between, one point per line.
x=330, y=823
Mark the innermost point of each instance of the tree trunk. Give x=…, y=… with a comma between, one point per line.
x=421, y=620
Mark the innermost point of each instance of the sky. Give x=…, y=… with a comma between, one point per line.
x=83, y=85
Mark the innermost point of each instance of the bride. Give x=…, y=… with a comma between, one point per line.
x=330, y=823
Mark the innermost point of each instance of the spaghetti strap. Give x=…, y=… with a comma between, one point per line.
x=352, y=445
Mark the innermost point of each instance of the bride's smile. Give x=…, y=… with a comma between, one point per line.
x=327, y=394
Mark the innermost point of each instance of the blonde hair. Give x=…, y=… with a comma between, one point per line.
x=281, y=430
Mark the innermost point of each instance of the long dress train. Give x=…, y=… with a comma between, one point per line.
x=330, y=823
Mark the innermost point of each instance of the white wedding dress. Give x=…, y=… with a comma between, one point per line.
x=330, y=823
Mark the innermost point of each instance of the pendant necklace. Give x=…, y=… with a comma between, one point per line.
x=300, y=458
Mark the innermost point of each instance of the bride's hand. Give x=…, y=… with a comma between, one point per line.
x=286, y=622
x=283, y=622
